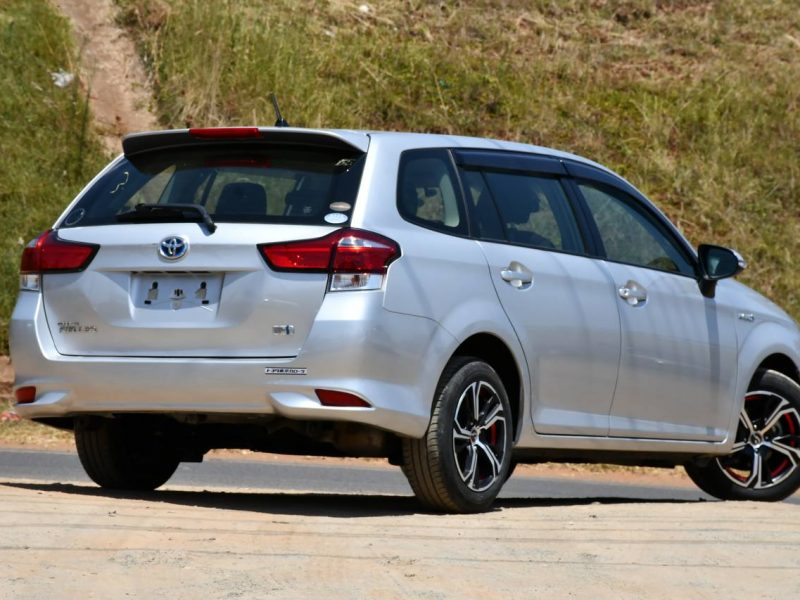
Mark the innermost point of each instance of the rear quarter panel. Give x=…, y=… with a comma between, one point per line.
x=440, y=277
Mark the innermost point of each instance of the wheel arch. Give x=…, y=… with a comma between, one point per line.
x=769, y=346
x=494, y=351
x=781, y=363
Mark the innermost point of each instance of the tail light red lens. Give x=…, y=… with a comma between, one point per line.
x=364, y=252
x=49, y=254
x=305, y=255
x=341, y=399
x=343, y=251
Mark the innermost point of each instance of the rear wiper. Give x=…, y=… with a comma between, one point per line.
x=168, y=213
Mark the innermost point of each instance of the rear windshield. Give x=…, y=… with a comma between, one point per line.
x=237, y=184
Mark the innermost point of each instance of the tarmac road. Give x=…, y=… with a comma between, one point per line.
x=279, y=529
x=289, y=475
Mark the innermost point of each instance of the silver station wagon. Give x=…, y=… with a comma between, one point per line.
x=457, y=305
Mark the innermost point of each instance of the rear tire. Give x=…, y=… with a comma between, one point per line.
x=765, y=461
x=463, y=460
x=117, y=455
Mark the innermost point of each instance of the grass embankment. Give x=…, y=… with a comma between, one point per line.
x=695, y=102
x=47, y=148
x=47, y=152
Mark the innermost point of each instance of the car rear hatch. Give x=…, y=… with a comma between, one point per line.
x=177, y=223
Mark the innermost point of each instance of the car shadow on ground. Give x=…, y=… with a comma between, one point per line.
x=315, y=504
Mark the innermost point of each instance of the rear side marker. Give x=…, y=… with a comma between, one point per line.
x=341, y=399
x=25, y=395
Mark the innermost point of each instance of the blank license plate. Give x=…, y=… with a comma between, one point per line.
x=176, y=291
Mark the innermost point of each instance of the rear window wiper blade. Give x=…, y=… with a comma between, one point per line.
x=168, y=213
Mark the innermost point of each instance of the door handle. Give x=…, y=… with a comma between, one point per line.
x=509, y=275
x=633, y=293
x=517, y=275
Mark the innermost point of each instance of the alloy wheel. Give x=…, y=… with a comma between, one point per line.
x=479, y=436
x=767, y=446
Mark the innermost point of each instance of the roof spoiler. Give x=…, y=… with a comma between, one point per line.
x=137, y=143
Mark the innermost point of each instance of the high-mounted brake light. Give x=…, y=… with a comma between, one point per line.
x=225, y=133
x=49, y=254
x=355, y=259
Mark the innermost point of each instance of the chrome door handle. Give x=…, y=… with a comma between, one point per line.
x=517, y=275
x=521, y=276
x=633, y=293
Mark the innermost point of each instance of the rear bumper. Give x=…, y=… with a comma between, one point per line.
x=391, y=360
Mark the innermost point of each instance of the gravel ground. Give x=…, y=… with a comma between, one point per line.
x=74, y=541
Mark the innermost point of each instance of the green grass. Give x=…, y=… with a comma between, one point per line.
x=695, y=102
x=47, y=148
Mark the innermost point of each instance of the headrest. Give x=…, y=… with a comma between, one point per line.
x=242, y=199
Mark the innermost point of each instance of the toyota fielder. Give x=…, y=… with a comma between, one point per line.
x=457, y=305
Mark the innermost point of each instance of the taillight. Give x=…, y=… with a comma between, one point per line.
x=355, y=259
x=225, y=133
x=49, y=254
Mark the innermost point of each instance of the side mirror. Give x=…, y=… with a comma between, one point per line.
x=717, y=262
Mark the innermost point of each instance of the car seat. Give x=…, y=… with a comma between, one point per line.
x=242, y=199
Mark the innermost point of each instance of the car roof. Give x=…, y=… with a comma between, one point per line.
x=460, y=141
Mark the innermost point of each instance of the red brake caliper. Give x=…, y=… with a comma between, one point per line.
x=780, y=468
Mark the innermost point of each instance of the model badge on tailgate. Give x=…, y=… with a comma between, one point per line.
x=75, y=327
x=285, y=371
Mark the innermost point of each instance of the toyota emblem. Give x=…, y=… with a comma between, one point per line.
x=173, y=247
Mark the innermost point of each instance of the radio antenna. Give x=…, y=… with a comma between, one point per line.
x=279, y=120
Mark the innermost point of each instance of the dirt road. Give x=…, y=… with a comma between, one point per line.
x=71, y=541
x=121, y=95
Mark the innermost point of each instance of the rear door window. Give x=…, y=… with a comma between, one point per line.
x=533, y=211
x=238, y=184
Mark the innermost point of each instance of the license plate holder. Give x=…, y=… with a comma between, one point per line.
x=176, y=291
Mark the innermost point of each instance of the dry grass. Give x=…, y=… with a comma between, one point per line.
x=27, y=434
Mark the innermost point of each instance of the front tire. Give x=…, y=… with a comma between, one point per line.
x=765, y=461
x=118, y=455
x=464, y=458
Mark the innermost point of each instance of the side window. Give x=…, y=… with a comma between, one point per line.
x=534, y=211
x=426, y=191
x=631, y=235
